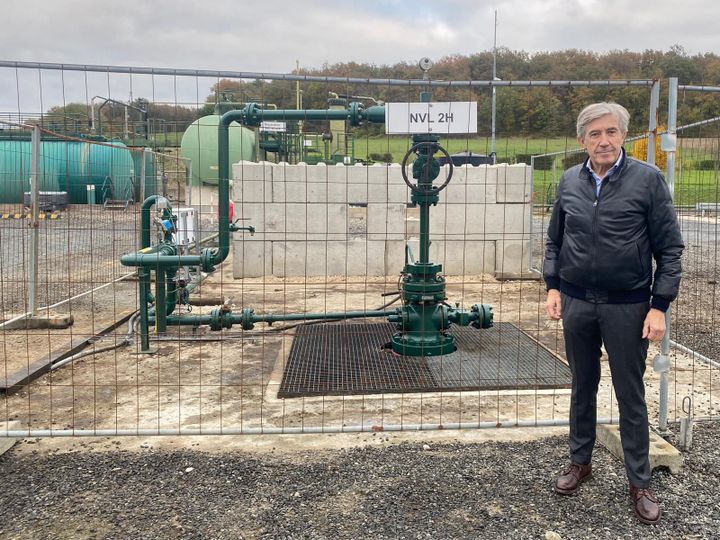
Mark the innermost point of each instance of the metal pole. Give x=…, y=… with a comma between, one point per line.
x=214, y=74
x=652, y=121
x=661, y=364
x=494, y=76
x=34, y=221
x=143, y=172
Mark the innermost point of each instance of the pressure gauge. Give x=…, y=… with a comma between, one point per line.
x=425, y=63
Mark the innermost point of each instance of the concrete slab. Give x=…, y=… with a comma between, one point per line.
x=6, y=444
x=662, y=453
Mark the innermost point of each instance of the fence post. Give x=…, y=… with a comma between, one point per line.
x=34, y=220
x=652, y=121
x=661, y=363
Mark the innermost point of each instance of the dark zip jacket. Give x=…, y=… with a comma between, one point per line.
x=600, y=248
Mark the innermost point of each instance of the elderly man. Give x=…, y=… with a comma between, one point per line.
x=613, y=215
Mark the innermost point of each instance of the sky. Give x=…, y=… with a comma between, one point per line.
x=272, y=35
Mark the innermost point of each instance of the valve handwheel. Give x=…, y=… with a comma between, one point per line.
x=414, y=150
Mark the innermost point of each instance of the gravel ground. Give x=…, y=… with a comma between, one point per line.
x=407, y=490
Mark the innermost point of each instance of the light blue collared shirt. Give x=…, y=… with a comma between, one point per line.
x=598, y=180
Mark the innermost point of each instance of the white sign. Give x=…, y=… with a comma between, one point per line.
x=273, y=126
x=433, y=117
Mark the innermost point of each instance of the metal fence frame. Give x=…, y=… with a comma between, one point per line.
x=652, y=128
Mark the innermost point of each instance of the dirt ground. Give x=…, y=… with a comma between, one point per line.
x=228, y=381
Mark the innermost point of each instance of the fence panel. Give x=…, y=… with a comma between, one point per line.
x=696, y=313
x=322, y=219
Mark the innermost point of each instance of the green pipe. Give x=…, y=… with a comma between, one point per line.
x=145, y=219
x=355, y=114
x=220, y=318
x=160, y=315
x=144, y=285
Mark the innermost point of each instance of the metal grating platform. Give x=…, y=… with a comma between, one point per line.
x=348, y=359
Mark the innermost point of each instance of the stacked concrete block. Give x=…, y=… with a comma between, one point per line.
x=301, y=213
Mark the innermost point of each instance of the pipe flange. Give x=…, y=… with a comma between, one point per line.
x=246, y=319
x=207, y=260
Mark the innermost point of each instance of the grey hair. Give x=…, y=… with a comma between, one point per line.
x=598, y=110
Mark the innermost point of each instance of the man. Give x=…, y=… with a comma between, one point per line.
x=612, y=216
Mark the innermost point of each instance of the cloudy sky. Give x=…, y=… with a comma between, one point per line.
x=271, y=35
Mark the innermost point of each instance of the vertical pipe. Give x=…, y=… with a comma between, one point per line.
x=223, y=187
x=35, y=221
x=652, y=121
x=144, y=278
x=160, y=298
x=424, y=233
x=664, y=357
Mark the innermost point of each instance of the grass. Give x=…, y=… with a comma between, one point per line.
x=506, y=147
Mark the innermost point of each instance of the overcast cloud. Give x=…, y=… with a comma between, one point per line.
x=271, y=35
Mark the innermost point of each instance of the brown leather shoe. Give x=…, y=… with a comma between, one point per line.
x=645, y=504
x=572, y=477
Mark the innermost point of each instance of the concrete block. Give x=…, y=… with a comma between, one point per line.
x=512, y=259
x=375, y=174
x=464, y=257
x=316, y=173
x=252, y=191
x=394, y=174
x=313, y=258
x=6, y=444
x=290, y=173
x=251, y=258
x=249, y=170
x=504, y=220
x=386, y=221
x=662, y=453
x=388, y=194
x=513, y=184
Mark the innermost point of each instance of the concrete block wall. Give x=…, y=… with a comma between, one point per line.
x=314, y=220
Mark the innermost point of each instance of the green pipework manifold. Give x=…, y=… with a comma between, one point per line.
x=424, y=320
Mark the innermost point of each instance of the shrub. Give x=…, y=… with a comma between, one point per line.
x=384, y=158
x=640, y=150
x=706, y=165
x=573, y=159
x=543, y=163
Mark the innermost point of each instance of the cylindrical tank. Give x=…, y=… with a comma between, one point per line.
x=200, y=144
x=67, y=166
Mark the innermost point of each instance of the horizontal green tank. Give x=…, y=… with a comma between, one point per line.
x=200, y=144
x=67, y=166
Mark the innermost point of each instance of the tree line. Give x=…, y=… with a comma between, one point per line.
x=520, y=111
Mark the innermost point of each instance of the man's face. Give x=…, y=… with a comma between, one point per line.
x=603, y=141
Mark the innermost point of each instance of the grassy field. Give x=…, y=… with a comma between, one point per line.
x=507, y=147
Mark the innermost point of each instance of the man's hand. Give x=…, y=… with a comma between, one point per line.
x=552, y=305
x=654, y=325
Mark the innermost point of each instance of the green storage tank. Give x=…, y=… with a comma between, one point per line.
x=200, y=144
x=67, y=166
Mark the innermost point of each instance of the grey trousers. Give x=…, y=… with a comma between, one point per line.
x=587, y=325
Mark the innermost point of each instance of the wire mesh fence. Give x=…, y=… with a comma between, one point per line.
x=322, y=218
x=695, y=314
